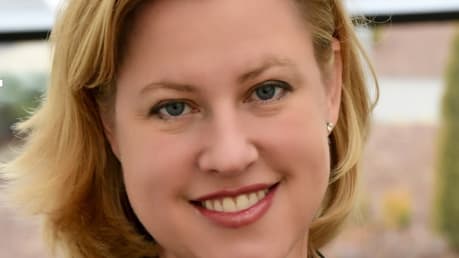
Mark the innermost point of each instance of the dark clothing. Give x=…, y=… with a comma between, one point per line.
x=320, y=255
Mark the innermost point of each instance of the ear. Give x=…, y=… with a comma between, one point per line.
x=109, y=131
x=334, y=83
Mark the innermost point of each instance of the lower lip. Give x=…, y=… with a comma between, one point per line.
x=240, y=218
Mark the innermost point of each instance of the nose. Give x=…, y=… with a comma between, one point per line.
x=228, y=149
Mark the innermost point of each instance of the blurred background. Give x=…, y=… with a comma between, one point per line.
x=409, y=201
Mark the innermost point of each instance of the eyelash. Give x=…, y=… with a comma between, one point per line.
x=281, y=86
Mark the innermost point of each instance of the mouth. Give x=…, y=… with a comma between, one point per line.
x=234, y=202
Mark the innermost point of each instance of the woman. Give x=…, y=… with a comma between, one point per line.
x=196, y=129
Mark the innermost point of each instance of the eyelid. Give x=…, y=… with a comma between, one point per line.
x=278, y=83
x=155, y=110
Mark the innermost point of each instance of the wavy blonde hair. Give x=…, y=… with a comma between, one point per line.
x=66, y=172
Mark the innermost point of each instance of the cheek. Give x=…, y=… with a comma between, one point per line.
x=154, y=166
x=297, y=144
x=305, y=146
x=299, y=134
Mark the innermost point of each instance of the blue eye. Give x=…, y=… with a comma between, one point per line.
x=270, y=90
x=266, y=92
x=170, y=109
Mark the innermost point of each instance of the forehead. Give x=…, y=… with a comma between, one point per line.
x=164, y=15
x=198, y=36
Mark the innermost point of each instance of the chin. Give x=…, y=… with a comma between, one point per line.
x=273, y=249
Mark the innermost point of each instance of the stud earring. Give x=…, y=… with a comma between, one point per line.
x=330, y=127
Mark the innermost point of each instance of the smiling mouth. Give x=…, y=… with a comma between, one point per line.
x=234, y=203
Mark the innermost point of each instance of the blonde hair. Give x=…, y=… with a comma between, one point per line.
x=66, y=172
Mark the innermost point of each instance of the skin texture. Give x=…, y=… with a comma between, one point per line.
x=226, y=137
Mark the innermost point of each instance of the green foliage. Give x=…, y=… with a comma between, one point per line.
x=397, y=209
x=19, y=95
x=447, y=199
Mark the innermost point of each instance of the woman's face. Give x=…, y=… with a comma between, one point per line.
x=220, y=127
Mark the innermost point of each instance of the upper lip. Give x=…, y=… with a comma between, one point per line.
x=233, y=192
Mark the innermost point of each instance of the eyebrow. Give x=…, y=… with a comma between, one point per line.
x=267, y=64
x=167, y=85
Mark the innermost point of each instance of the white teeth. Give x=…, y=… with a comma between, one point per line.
x=253, y=198
x=238, y=203
x=217, y=205
x=261, y=194
x=208, y=205
x=228, y=205
x=242, y=202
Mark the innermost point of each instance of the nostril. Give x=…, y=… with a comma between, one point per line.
x=227, y=153
x=229, y=162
